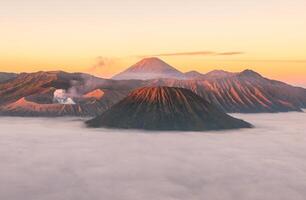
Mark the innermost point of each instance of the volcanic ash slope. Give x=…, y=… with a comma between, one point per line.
x=166, y=108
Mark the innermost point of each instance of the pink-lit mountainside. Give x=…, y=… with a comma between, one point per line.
x=149, y=68
x=165, y=108
x=58, y=93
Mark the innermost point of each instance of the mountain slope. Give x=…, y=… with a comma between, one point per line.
x=166, y=108
x=26, y=107
x=33, y=94
x=149, y=68
x=246, y=92
x=4, y=77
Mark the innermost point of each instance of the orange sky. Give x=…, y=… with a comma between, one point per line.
x=78, y=35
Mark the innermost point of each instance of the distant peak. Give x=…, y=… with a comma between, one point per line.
x=193, y=72
x=193, y=75
x=218, y=71
x=149, y=68
x=151, y=59
x=218, y=74
x=250, y=73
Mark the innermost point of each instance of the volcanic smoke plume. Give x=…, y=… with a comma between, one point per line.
x=60, y=96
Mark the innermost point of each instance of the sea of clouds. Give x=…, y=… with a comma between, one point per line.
x=48, y=159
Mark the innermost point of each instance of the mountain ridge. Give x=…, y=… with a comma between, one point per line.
x=6, y=76
x=246, y=91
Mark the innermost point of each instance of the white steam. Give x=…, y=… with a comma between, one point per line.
x=60, y=96
x=103, y=66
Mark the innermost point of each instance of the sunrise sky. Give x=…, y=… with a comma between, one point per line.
x=105, y=37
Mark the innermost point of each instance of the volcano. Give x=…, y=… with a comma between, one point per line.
x=149, y=68
x=58, y=93
x=165, y=108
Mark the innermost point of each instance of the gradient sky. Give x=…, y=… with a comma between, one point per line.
x=105, y=37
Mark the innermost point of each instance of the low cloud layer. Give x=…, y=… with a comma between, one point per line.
x=269, y=61
x=61, y=159
x=197, y=53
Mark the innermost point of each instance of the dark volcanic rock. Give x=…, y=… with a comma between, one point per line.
x=166, y=108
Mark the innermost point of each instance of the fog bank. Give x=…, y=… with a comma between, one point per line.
x=48, y=159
